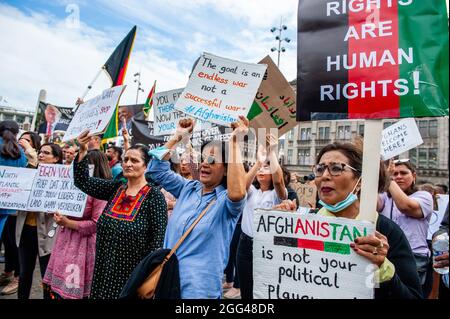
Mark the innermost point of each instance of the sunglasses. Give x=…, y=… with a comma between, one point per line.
x=209, y=159
x=335, y=169
x=400, y=161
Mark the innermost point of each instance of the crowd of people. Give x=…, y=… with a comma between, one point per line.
x=141, y=200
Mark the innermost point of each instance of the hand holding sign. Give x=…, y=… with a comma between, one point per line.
x=240, y=128
x=61, y=220
x=373, y=247
x=83, y=140
x=289, y=205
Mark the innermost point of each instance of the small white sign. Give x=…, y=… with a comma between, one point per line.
x=54, y=190
x=94, y=114
x=400, y=137
x=220, y=90
x=15, y=187
x=304, y=256
x=167, y=117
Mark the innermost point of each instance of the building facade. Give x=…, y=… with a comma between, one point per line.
x=304, y=142
x=24, y=118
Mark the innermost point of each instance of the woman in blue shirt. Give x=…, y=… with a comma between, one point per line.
x=203, y=255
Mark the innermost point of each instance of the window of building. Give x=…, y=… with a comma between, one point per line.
x=344, y=132
x=304, y=156
x=423, y=128
x=432, y=158
x=361, y=130
x=423, y=158
x=290, y=143
x=291, y=134
x=20, y=118
x=324, y=133
x=289, y=157
x=413, y=156
x=387, y=124
x=433, y=128
x=8, y=117
x=305, y=134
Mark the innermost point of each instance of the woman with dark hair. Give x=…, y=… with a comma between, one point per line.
x=132, y=224
x=74, y=250
x=34, y=232
x=411, y=210
x=30, y=142
x=10, y=155
x=337, y=173
x=269, y=190
x=220, y=193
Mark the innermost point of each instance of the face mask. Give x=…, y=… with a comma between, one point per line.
x=351, y=198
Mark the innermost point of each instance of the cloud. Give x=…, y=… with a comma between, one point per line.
x=40, y=50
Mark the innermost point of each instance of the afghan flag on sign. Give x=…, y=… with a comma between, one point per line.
x=149, y=102
x=372, y=59
x=116, y=67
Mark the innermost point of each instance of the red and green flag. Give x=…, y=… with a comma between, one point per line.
x=116, y=68
x=149, y=102
x=372, y=59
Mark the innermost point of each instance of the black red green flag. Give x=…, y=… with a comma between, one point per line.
x=149, y=102
x=372, y=59
x=116, y=68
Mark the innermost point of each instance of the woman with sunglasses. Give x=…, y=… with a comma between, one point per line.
x=220, y=192
x=132, y=224
x=411, y=209
x=71, y=266
x=268, y=191
x=338, y=179
x=10, y=155
x=35, y=232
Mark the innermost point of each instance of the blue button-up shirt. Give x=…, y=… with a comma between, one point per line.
x=204, y=253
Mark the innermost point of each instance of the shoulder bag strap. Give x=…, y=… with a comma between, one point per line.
x=189, y=230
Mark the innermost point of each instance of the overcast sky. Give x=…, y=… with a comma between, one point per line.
x=60, y=46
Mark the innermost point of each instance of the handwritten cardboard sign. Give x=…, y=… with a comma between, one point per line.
x=94, y=114
x=400, y=137
x=167, y=117
x=298, y=256
x=220, y=90
x=274, y=105
x=306, y=193
x=54, y=190
x=15, y=187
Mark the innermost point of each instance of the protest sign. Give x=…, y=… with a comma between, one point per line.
x=53, y=190
x=400, y=137
x=306, y=193
x=304, y=256
x=437, y=215
x=360, y=59
x=15, y=187
x=94, y=114
x=51, y=118
x=274, y=105
x=167, y=117
x=220, y=90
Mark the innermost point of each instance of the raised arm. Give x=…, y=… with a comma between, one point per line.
x=96, y=187
x=275, y=168
x=236, y=181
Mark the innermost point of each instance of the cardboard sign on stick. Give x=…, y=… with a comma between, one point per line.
x=15, y=187
x=304, y=256
x=400, y=137
x=220, y=90
x=94, y=114
x=274, y=105
x=53, y=190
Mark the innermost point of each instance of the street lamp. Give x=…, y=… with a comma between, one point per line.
x=280, y=39
x=137, y=80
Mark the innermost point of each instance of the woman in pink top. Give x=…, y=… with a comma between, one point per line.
x=71, y=266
